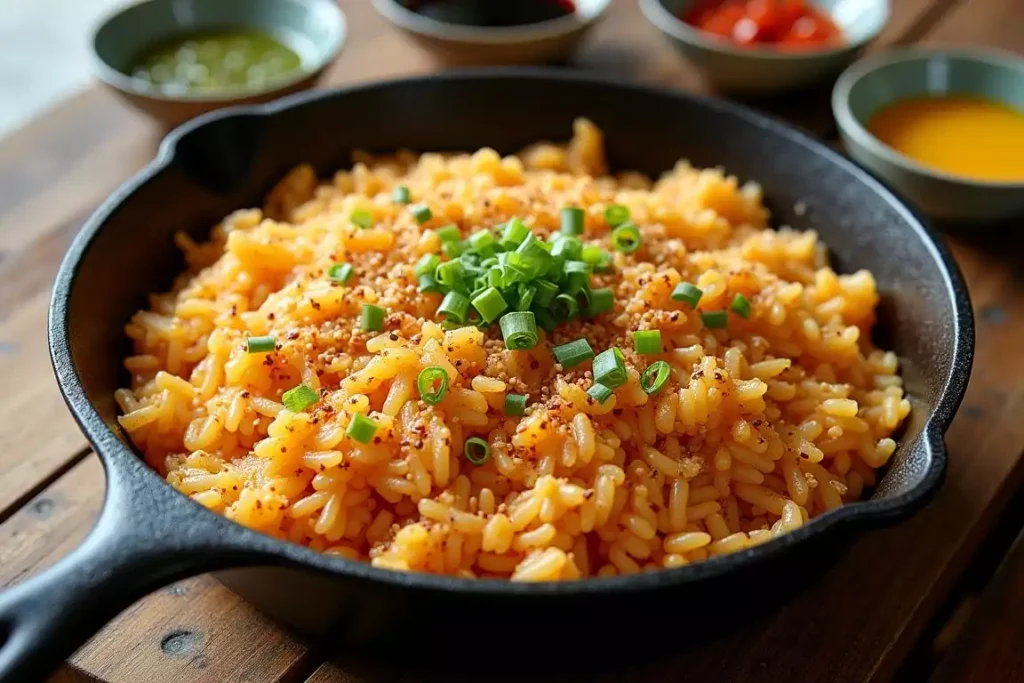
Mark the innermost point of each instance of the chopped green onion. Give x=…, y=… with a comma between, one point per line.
x=450, y=273
x=647, y=342
x=610, y=368
x=489, y=304
x=545, y=292
x=421, y=212
x=572, y=220
x=535, y=256
x=577, y=267
x=740, y=306
x=449, y=233
x=571, y=354
x=513, y=269
x=615, y=215
x=476, y=450
x=582, y=296
x=604, y=264
x=565, y=307
x=362, y=218
x=372, y=319
x=482, y=241
x=340, y=273
x=626, y=238
x=361, y=428
x=453, y=248
x=429, y=285
x=527, y=293
x=519, y=330
x=432, y=384
x=298, y=399
x=514, y=234
x=578, y=282
x=494, y=276
x=568, y=248
x=655, y=376
x=599, y=392
x=455, y=306
x=715, y=319
x=601, y=301
x=259, y=344
x=427, y=265
x=687, y=293
x=515, y=404
x=401, y=195
x=593, y=254
x=470, y=260
x=545, y=320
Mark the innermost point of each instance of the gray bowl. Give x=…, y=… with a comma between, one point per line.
x=875, y=82
x=765, y=69
x=315, y=29
x=459, y=44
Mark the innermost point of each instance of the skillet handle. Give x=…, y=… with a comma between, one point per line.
x=44, y=619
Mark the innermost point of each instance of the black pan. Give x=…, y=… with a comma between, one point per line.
x=150, y=535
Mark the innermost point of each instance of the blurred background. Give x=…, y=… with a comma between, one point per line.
x=44, y=53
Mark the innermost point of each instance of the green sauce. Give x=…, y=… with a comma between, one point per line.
x=208, y=62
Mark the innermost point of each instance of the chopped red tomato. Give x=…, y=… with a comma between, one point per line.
x=787, y=23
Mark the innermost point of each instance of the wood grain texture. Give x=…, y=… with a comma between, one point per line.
x=195, y=630
x=981, y=23
x=53, y=173
x=853, y=624
x=989, y=650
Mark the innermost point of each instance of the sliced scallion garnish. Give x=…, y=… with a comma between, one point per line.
x=299, y=398
x=477, y=451
x=361, y=429
x=519, y=330
x=432, y=384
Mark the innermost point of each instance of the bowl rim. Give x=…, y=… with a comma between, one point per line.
x=857, y=131
x=119, y=80
x=423, y=25
x=122, y=462
x=668, y=23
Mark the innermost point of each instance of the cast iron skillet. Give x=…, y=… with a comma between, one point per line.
x=149, y=535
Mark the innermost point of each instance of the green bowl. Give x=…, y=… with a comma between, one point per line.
x=764, y=69
x=876, y=82
x=315, y=29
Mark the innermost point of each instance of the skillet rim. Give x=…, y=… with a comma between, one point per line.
x=267, y=550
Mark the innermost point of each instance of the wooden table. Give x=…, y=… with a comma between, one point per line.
x=925, y=600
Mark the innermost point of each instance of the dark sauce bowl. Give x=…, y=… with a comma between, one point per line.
x=494, y=32
x=149, y=534
x=315, y=29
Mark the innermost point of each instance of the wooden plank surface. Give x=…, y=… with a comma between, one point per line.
x=990, y=648
x=195, y=630
x=57, y=169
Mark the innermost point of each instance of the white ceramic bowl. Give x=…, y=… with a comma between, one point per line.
x=459, y=44
x=764, y=69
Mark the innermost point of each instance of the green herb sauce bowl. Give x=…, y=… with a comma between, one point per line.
x=313, y=29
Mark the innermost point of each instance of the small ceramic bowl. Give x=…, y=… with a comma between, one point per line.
x=315, y=29
x=462, y=44
x=875, y=82
x=764, y=69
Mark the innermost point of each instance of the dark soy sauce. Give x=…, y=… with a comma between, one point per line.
x=492, y=13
